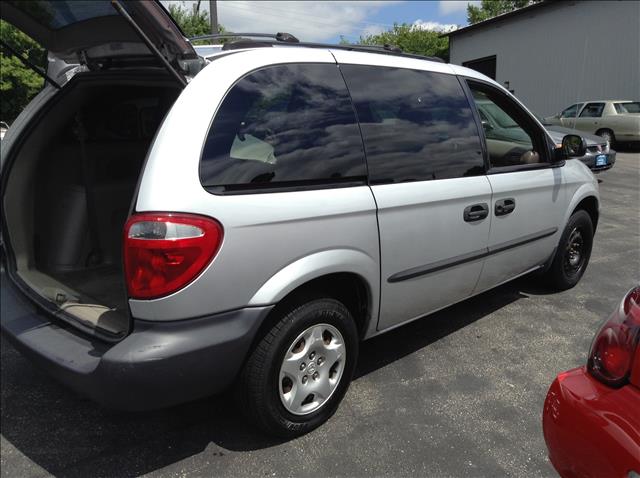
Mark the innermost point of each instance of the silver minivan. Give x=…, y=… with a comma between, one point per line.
x=173, y=226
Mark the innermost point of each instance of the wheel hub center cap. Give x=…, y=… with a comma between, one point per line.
x=311, y=368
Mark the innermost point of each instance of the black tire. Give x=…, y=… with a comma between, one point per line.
x=567, y=269
x=258, y=385
x=607, y=135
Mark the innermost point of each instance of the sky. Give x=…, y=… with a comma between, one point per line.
x=328, y=21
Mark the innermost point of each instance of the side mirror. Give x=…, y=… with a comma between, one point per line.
x=573, y=146
x=486, y=125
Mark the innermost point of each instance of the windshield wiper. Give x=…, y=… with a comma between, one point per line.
x=26, y=62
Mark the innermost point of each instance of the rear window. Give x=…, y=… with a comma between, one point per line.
x=285, y=125
x=61, y=13
x=416, y=125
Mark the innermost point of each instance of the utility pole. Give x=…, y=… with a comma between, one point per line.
x=213, y=14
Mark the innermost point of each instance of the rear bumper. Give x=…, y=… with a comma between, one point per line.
x=157, y=365
x=592, y=430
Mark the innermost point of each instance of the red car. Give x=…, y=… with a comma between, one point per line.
x=591, y=417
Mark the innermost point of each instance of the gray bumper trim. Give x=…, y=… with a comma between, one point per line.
x=158, y=365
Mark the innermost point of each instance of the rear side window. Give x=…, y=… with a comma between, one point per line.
x=630, y=107
x=416, y=125
x=285, y=125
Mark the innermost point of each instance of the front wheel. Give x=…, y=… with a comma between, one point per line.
x=573, y=252
x=299, y=372
x=607, y=135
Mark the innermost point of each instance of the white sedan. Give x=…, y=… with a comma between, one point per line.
x=613, y=120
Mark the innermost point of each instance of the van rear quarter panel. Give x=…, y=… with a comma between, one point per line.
x=272, y=242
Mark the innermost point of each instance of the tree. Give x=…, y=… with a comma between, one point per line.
x=411, y=39
x=18, y=84
x=193, y=23
x=493, y=8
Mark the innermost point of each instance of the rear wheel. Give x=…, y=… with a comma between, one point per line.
x=299, y=372
x=573, y=252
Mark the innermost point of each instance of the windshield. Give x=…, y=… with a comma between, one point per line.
x=499, y=116
x=631, y=107
x=542, y=120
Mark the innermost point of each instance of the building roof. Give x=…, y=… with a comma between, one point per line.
x=499, y=18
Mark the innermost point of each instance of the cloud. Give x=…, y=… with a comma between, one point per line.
x=450, y=7
x=373, y=30
x=435, y=26
x=309, y=21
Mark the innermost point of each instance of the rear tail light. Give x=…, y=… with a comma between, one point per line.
x=612, y=350
x=163, y=252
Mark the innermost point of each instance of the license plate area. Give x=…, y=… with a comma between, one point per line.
x=601, y=160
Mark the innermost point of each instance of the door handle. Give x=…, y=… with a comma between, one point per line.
x=476, y=212
x=505, y=206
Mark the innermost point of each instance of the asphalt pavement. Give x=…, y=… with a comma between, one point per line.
x=459, y=393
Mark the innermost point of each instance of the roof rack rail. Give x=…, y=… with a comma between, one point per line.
x=280, y=36
x=240, y=41
x=386, y=47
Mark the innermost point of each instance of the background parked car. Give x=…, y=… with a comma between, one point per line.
x=613, y=120
x=590, y=419
x=500, y=127
x=599, y=156
x=206, y=51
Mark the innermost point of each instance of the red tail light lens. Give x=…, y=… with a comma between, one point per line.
x=613, y=348
x=163, y=252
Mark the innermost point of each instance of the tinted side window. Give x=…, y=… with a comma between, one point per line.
x=592, y=110
x=417, y=125
x=284, y=124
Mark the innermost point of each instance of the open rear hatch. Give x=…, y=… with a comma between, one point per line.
x=106, y=33
x=70, y=170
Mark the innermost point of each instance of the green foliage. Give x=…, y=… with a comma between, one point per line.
x=193, y=23
x=18, y=84
x=411, y=39
x=493, y=8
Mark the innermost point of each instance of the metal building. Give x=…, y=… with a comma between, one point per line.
x=555, y=53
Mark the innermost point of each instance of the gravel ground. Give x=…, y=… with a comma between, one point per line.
x=457, y=394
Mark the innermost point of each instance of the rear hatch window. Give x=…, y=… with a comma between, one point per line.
x=63, y=13
x=81, y=31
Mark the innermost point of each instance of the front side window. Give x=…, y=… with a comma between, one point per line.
x=592, y=110
x=510, y=134
x=416, y=125
x=284, y=125
x=570, y=112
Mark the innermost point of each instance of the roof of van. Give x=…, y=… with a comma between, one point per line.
x=367, y=57
x=239, y=42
